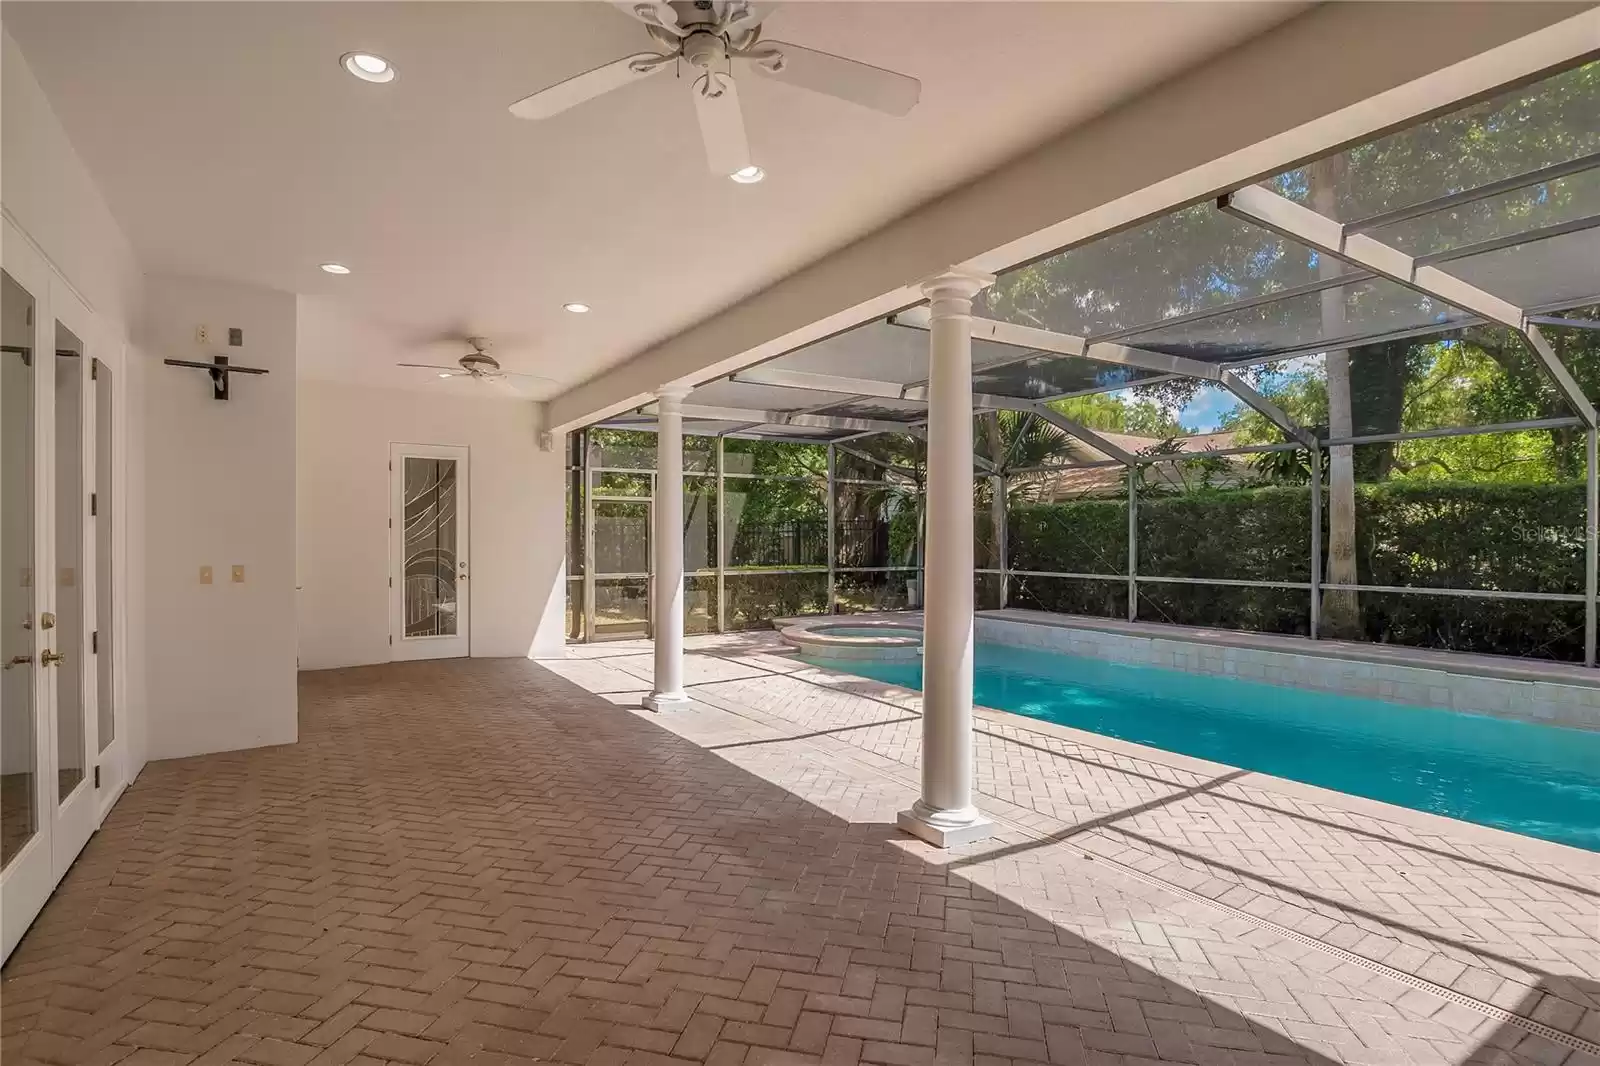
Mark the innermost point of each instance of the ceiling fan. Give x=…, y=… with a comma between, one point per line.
x=715, y=39
x=479, y=365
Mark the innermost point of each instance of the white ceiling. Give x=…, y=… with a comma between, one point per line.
x=230, y=143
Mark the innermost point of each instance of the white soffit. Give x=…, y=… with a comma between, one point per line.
x=230, y=143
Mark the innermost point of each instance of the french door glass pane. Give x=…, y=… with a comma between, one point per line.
x=430, y=540
x=18, y=816
x=105, y=630
x=70, y=740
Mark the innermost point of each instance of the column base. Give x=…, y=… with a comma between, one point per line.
x=665, y=701
x=945, y=829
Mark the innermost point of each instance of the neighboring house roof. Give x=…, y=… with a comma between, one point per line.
x=1072, y=482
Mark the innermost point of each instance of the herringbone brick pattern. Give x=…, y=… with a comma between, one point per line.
x=481, y=862
x=1506, y=926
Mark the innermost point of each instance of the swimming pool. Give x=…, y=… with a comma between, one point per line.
x=1543, y=781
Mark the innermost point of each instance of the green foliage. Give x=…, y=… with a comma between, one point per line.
x=1520, y=538
x=755, y=598
x=1503, y=537
x=1088, y=536
x=1283, y=467
x=1126, y=412
x=774, y=458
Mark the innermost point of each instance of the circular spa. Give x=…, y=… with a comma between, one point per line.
x=890, y=641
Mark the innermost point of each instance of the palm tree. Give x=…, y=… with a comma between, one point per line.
x=1012, y=442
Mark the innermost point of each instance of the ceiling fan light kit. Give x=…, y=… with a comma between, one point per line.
x=716, y=40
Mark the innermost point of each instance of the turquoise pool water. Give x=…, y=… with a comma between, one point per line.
x=869, y=631
x=1543, y=781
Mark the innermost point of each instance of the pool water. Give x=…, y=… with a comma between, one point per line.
x=867, y=631
x=1543, y=781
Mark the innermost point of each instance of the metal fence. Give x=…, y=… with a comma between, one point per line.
x=772, y=569
x=740, y=572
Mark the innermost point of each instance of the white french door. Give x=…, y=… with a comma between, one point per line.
x=58, y=761
x=429, y=591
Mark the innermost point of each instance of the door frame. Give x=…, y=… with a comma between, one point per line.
x=78, y=815
x=26, y=884
x=112, y=762
x=459, y=644
x=27, y=881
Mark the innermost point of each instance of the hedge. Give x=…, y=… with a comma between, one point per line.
x=1506, y=537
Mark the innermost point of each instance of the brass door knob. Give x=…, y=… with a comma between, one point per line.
x=52, y=658
x=19, y=660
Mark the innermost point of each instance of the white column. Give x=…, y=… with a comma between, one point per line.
x=945, y=816
x=667, y=545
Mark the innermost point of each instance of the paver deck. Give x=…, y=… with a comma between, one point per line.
x=497, y=861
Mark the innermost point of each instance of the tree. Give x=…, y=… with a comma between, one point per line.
x=1111, y=412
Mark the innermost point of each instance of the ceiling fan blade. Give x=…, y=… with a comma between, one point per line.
x=716, y=104
x=530, y=377
x=590, y=84
x=431, y=366
x=651, y=14
x=499, y=382
x=823, y=72
x=743, y=16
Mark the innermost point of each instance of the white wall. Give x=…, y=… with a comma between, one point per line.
x=221, y=492
x=49, y=195
x=516, y=524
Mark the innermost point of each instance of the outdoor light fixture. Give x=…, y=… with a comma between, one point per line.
x=577, y=308
x=368, y=67
x=335, y=268
x=748, y=175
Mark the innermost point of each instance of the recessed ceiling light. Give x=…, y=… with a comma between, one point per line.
x=577, y=308
x=446, y=375
x=748, y=175
x=336, y=268
x=368, y=67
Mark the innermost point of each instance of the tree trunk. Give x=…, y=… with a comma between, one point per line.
x=997, y=500
x=1341, y=615
x=1378, y=374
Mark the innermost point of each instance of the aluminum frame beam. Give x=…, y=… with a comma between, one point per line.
x=1279, y=214
x=1085, y=434
x=1479, y=192
x=1563, y=322
x=796, y=379
x=1512, y=240
x=1124, y=355
x=803, y=379
x=783, y=418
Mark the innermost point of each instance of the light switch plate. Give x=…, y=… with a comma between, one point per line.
x=238, y=574
x=205, y=575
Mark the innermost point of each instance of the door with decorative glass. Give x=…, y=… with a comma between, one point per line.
x=50, y=751
x=429, y=592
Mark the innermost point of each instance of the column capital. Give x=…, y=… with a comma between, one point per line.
x=958, y=283
x=670, y=397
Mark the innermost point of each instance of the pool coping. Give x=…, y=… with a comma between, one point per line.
x=1493, y=666
x=1533, y=848
x=810, y=635
x=1503, y=668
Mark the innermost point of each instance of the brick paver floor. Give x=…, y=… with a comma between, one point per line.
x=498, y=862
